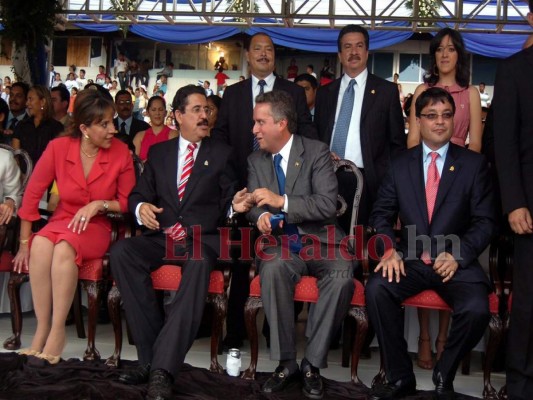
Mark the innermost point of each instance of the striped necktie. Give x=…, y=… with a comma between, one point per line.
x=177, y=231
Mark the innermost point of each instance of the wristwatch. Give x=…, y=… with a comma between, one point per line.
x=106, y=207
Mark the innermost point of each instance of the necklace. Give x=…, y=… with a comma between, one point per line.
x=88, y=155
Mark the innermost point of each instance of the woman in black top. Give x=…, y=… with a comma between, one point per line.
x=34, y=133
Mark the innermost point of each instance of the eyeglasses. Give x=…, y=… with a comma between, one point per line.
x=197, y=110
x=433, y=116
x=124, y=102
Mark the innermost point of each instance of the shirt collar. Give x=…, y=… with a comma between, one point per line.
x=360, y=79
x=269, y=80
x=285, y=151
x=442, y=151
x=183, y=143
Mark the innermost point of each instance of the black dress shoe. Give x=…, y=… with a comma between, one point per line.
x=313, y=388
x=136, y=376
x=279, y=380
x=443, y=388
x=390, y=391
x=160, y=385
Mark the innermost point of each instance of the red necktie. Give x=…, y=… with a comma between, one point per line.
x=432, y=186
x=176, y=231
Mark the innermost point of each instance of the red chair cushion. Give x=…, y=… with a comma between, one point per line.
x=91, y=270
x=307, y=290
x=427, y=299
x=6, y=261
x=168, y=277
x=430, y=299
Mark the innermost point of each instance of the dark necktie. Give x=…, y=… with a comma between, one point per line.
x=261, y=84
x=123, y=128
x=338, y=146
x=290, y=229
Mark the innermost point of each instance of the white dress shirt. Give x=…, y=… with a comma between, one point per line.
x=353, y=150
x=183, y=143
x=426, y=159
x=267, y=88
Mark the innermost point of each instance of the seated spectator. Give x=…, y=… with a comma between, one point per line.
x=60, y=102
x=439, y=190
x=158, y=132
x=127, y=126
x=108, y=84
x=162, y=343
x=17, y=108
x=101, y=77
x=10, y=189
x=7, y=81
x=72, y=70
x=484, y=96
x=82, y=81
x=168, y=71
x=306, y=204
x=6, y=92
x=71, y=82
x=310, y=69
x=144, y=72
x=207, y=88
x=78, y=229
x=113, y=90
x=34, y=133
x=57, y=80
x=213, y=102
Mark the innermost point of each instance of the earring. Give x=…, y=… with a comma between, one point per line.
x=85, y=136
x=42, y=108
x=435, y=70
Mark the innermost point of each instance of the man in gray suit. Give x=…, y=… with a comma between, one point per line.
x=291, y=178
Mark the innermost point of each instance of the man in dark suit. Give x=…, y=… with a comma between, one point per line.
x=292, y=177
x=125, y=124
x=513, y=137
x=442, y=194
x=187, y=184
x=234, y=126
x=369, y=129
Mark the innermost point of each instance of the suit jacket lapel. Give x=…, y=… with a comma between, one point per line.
x=417, y=177
x=449, y=172
x=294, y=164
x=76, y=169
x=201, y=164
x=171, y=164
x=97, y=170
x=333, y=98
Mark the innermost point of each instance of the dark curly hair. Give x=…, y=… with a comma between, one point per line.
x=462, y=69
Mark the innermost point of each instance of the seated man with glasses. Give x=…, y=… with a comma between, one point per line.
x=443, y=196
x=182, y=197
x=127, y=126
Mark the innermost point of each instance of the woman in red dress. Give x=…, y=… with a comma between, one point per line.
x=94, y=174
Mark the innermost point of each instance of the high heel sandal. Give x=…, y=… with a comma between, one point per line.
x=53, y=360
x=29, y=352
x=439, y=345
x=424, y=363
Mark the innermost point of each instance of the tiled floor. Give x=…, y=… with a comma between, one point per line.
x=199, y=356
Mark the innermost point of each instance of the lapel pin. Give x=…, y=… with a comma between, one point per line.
x=373, y=91
x=296, y=164
x=452, y=168
x=206, y=163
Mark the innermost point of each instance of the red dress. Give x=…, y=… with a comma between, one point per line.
x=111, y=177
x=150, y=139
